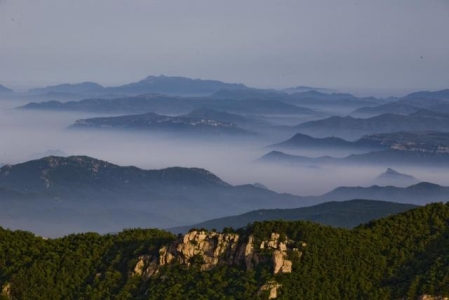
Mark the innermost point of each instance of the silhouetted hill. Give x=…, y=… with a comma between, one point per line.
x=84, y=88
x=339, y=102
x=396, y=108
x=151, y=122
x=419, y=194
x=353, y=128
x=161, y=104
x=168, y=85
x=386, y=158
x=300, y=141
x=420, y=141
x=81, y=193
x=249, y=93
x=5, y=90
x=442, y=94
x=393, y=178
x=346, y=214
x=174, y=85
x=303, y=89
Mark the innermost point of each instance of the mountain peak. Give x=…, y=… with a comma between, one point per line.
x=4, y=89
x=392, y=177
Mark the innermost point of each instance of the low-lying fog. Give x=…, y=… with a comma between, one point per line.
x=26, y=134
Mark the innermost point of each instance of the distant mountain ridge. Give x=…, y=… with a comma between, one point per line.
x=83, y=193
x=393, y=178
x=353, y=128
x=77, y=88
x=170, y=105
x=5, y=90
x=346, y=214
x=419, y=193
x=197, y=123
x=303, y=141
x=303, y=89
x=441, y=94
x=434, y=101
x=390, y=157
x=168, y=85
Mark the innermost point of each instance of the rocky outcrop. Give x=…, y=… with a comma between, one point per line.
x=430, y=297
x=280, y=253
x=272, y=287
x=6, y=291
x=211, y=249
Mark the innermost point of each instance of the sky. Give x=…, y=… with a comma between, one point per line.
x=382, y=46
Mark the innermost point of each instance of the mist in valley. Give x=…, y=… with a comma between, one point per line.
x=26, y=135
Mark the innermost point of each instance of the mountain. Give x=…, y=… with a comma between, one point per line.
x=207, y=113
x=83, y=88
x=408, y=105
x=50, y=152
x=336, y=102
x=442, y=95
x=419, y=141
x=353, y=128
x=5, y=90
x=304, y=89
x=390, y=157
x=302, y=141
x=151, y=122
x=174, y=85
x=78, y=193
x=393, y=178
x=346, y=214
x=403, y=256
x=419, y=193
x=249, y=93
x=396, y=108
x=167, y=85
x=172, y=105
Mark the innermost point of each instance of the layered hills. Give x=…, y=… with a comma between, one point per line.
x=162, y=104
x=345, y=214
x=198, y=122
x=354, y=128
x=169, y=85
x=56, y=195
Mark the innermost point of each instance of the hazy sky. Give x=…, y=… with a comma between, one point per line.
x=391, y=45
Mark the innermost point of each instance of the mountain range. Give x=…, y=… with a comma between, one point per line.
x=59, y=195
x=390, y=157
x=303, y=141
x=79, y=193
x=353, y=128
x=418, y=141
x=434, y=101
x=196, y=123
x=168, y=85
x=346, y=214
x=171, y=105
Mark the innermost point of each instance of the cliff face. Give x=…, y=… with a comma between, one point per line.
x=212, y=249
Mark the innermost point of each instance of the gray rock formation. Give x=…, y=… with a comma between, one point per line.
x=213, y=249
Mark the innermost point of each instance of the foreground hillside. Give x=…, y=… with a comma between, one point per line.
x=400, y=257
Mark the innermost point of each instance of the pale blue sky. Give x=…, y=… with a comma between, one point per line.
x=390, y=45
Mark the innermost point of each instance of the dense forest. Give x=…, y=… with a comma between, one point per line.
x=398, y=257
